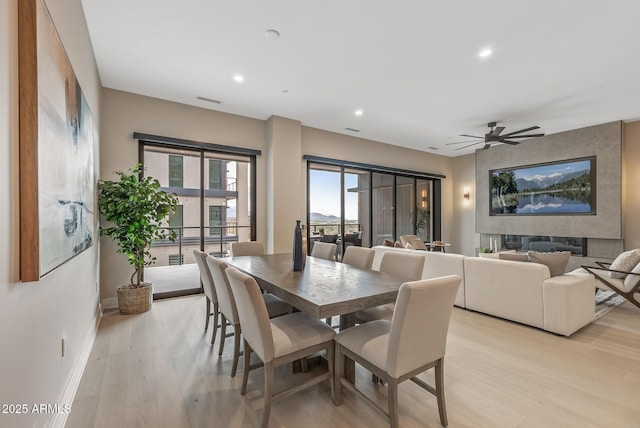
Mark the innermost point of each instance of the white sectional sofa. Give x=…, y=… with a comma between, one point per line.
x=517, y=291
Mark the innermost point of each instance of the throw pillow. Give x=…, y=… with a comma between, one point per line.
x=556, y=262
x=631, y=280
x=625, y=262
x=410, y=247
x=388, y=243
x=398, y=245
x=418, y=244
x=521, y=257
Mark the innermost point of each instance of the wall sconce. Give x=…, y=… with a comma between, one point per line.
x=423, y=202
x=466, y=195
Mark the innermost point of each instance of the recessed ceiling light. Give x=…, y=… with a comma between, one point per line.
x=238, y=78
x=485, y=53
x=359, y=112
x=272, y=34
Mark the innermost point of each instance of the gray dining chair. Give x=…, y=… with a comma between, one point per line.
x=324, y=250
x=407, y=267
x=412, y=342
x=247, y=248
x=229, y=313
x=359, y=257
x=277, y=341
x=209, y=292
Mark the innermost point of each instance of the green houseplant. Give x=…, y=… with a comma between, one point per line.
x=136, y=211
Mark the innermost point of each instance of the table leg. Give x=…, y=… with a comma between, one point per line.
x=347, y=321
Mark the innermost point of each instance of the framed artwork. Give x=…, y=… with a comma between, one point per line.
x=57, y=134
x=564, y=187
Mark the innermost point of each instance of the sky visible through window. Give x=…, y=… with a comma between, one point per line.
x=324, y=188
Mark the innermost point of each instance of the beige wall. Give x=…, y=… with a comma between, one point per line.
x=465, y=240
x=35, y=316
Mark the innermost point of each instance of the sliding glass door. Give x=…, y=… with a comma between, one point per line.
x=215, y=193
x=355, y=206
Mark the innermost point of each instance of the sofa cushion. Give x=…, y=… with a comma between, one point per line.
x=515, y=257
x=556, y=262
x=625, y=262
x=388, y=243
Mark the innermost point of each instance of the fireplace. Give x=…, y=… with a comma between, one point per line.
x=523, y=243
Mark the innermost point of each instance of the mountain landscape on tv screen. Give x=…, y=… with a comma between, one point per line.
x=542, y=182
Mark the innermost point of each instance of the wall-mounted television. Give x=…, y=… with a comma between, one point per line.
x=564, y=187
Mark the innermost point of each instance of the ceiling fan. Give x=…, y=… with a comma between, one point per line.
x=493, y=136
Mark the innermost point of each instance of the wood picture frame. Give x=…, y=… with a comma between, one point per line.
x=57, y=134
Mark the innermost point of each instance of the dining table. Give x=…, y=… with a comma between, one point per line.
x=323, y=288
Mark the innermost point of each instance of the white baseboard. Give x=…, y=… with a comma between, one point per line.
x=110, y=303
x=69, y=394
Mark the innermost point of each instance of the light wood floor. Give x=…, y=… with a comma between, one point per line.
x=158, y=370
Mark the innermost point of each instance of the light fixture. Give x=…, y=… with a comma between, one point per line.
x=238, y=78
x=423, y=201
x=358, y=112
x=466, y=195
x=485, y=53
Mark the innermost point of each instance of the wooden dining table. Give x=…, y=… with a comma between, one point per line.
x=323, y=288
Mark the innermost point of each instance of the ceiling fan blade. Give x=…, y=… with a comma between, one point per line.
x=462, y=142
x=525, y=136
x=510, y=142
x=520, y=131
x=471, y=136
x=496, y=132
x=460, y=148
x=486, y=146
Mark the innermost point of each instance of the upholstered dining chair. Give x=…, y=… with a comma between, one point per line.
x=229, y=313
x=247, y=248
x=277, y=341
x=402, y=265
x=209, y=292
x=412, y=342
x=359, y=257
x=324, y=250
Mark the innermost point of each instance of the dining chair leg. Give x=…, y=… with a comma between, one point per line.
x=392, y=398
x=236, y=349
x=207, y=313
x=268, y=392
x=442, y=409
x=216, y=312
x=338, y=370
x=223, y=334
x=247, y=364
x=330, y=363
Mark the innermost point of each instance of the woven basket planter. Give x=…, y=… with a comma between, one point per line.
x=135, y=300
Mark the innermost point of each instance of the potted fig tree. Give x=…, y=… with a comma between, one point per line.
x=136, y=212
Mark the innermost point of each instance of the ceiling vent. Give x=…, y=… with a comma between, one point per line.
x=210, y=100
x=352, y=129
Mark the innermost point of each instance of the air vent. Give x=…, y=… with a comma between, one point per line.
x=210, y=100
x=433, y=148
x=352, y=130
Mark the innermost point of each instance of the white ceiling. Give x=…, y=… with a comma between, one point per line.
x=412, y=66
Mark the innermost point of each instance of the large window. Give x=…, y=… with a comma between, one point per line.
x=366, y=205
x=216, y=189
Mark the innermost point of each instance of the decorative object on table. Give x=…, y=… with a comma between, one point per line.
x=137, y=211
x=297, y=247
x=57, y=135
x=304, y=245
